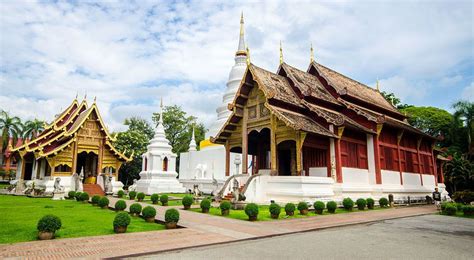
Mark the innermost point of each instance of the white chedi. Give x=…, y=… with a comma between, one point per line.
x=158, y=173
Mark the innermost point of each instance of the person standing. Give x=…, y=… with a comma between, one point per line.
x=437, y=198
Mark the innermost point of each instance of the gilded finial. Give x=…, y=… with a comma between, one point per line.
x=85, y=95
x=248, y=55
x=281, y=54
x=76, y=95
x=95, y=99
x=377, y=85
x=311, y=55
x=242, y=23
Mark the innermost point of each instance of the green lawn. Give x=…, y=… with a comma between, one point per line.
x=264, y=213
x=21, y=214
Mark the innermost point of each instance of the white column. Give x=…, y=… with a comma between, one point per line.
x=332, y=151
x=371, y=158
x=43, y=168
x=35, y=166
x=18, y=168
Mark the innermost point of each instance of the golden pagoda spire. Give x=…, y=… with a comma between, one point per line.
x=248, y=55
x=281, y=54
x=377, y=85
x=311, y=55
x=242, y=23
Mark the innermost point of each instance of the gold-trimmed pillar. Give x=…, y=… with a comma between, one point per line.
x=245, y=143
x=273, y=146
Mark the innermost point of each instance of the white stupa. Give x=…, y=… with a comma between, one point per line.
x=158, y=173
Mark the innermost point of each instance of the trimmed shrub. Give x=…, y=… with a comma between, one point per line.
x=443, y=206
x=135, y=209
x=71, y=195
x=122, y=219
x=120, y=193
x=95, y=199
x=83, y=196
x=459, y=206
x=132, y=195
x=348, y=203
x=120, y=205
x=383, y=202
x=154, y=198
x=318, y=207
x=251, y=210
x=77, y=195
x=187, y=201
x=370, y=203
x=205, y=205
x=468, y=210
x=171, y=216
x=225, y=207
x=303, y=208
x=361, y=203
x=275, y=210
x=164, y=200
x=49, y=223
x=332, y=206
x=465, y=197
x=140, y=196
x=148, y=212
x=103, y=202
x=450, y=209
x=290, y=209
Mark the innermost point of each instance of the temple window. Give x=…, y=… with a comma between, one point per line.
x=62, y=168
x=165, y=164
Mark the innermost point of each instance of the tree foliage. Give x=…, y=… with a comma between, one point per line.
x=431, y=120
x=464, y=113
x=459, y=174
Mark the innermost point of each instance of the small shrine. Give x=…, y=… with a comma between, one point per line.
x=158, y=173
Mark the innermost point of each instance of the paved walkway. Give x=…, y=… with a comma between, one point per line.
x=200, y=229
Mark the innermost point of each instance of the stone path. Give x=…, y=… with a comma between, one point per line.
x=200, y=229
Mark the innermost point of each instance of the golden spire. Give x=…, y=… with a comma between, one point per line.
x=95, y=99
x=76, y=95
x=248, y=55
x=377, y=85
x=281, y=54
x=311, y=55
x=242, y=23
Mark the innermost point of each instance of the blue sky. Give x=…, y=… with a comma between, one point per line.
x=129, y=54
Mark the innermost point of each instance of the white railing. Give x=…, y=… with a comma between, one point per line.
x=229, y=184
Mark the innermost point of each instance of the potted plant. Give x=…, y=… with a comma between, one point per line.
x=71, y=195
x=140, y=196
x=225, y=207
x=132, y=195
x=120, y=205
x=164, y=200
x=370, y=203
x=121, y=222
x=275, y=210
x=149, y=213
x=468, y=210
x=332, y=206
x=77, y=195
x=290, y=209
x=348, y=203
x=383, y=202
x=47, y=226
x=318, y=207
x=135, y=209
x=95, y=200
x=361, y=203
x=205, y=205
x=120, y=193
x=103, y=202
x=154, y=198
x=171, y=218
x=303, y=208
x=187, y=201
x=251, y=210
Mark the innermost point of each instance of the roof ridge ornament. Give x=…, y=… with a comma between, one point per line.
x=281, y=54
x=311, y=55
x=377, y=86
x=248, y=54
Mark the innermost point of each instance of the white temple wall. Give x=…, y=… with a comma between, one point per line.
x=429, y=180
x=411, y=179
x=390, y=177
x=371, y=158
x=318, y=171
x=355, y=175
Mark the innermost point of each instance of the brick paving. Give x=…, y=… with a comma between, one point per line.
x=200, y=229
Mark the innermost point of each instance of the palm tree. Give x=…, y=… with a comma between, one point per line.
x=9, y=127
x=32, y=128
x=465, y=113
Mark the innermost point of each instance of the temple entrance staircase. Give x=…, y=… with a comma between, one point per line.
x=230, y=196
x=93, y=189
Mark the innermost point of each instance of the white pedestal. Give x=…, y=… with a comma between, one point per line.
x=159, y=182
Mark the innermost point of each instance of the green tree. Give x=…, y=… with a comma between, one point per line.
x=32, y=128
x=394, y=100
x=139, y=124
x=459, y=174
x=10, y=126
x=464, y=112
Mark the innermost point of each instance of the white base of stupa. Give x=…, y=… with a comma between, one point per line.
x=159, y=182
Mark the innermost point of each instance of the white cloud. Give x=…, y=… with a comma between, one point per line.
x=468, y=92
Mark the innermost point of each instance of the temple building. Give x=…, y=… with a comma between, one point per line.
x=76, y=142
x=318, y=134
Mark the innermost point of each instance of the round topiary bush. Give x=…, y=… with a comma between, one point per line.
x=171, y=218
x=120, y=193
x=149, y=213
x=348, y=203
x=361, y=203
x=319, y=207
x=275, y=210
x=47, y=225
x=121, y=222
x=251, y=210
x=95, y=199
x=370, y=203
x=290, y=209
x=71, y=195
x=132, y=195
x=164, y=200
x=225, y=207
x=383, y=202
x=84, y=197
x=140, y=196
x=205, y=205
x=77, y=195
x=120, y=205
x=459, y=206
x=450, y=209
x=332, y=206
x=468, y=210
x=187, y=201
x=103, y=202
x=303, y=208
x=135, y=209
x=154, y=198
